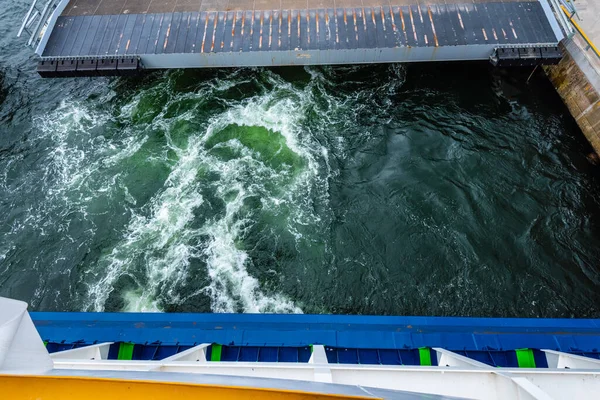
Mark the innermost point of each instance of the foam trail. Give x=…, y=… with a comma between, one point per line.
x=160, y=240
x=231, y=285
x=136, y=301
x=163, y=241
x=72, y=174
x=188, y=238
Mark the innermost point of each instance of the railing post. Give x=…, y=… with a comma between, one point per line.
x=322, y=370
x=26, y=19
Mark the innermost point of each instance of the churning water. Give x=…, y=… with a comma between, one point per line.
x=438, y=189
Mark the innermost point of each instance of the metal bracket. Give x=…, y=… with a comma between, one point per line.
x=451, y=359
x=558, y=359
x=322, y=371
x=93, y=352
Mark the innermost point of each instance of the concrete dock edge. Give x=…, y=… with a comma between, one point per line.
x=577, y=76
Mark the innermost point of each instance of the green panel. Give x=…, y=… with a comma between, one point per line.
x=45, y=343
x=125, y=351
x=525, y=358
x=425, y=355
x=215, y=354
x=311, y=348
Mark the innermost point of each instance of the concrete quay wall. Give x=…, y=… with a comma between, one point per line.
x=577, y=81
x=577, y=76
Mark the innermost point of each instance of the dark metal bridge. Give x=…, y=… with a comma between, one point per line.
x=86, y=37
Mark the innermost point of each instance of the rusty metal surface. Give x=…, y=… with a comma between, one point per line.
x=325, y=29
x=106, y=7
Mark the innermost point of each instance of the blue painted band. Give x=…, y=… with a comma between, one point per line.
x=454, y=333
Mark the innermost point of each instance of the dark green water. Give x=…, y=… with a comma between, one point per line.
x=423, y=189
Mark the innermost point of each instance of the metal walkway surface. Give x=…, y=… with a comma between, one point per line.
x=226, y=33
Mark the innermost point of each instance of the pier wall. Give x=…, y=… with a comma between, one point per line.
x=577, y=76
x=578, y=82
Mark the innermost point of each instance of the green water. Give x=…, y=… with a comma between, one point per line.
x=432, y=189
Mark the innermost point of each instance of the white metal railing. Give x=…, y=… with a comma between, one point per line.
x=36, y=21
x=570, y=6
x=568, y=376
x=561, y=18
x=569, y=12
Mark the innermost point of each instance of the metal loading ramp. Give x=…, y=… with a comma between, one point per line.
x=235, y=33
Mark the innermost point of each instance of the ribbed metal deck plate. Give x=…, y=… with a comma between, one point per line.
x=106, y=32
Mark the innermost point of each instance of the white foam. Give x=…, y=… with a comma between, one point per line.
x=162, y=237
x=67, y=174
x=232, y=288
x=136, y=301
x=166, y=243
x=160, y=240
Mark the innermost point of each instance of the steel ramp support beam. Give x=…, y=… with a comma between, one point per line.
x=93, y=352
x=558, y=359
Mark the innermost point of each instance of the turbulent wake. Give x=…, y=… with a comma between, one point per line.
x=225, y=179
x=386, y=189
